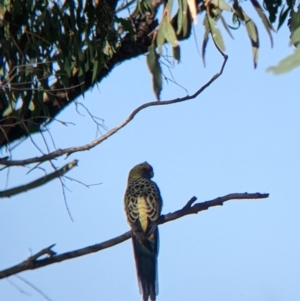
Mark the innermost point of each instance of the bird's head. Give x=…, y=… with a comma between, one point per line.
x=143, y=170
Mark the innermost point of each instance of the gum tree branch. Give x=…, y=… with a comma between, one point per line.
x=33, y=262
x=131, y=46
x=71, y=150
x=39, y=182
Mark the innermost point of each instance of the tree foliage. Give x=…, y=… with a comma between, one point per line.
x=51, y=53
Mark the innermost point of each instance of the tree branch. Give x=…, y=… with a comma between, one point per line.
x=34, y=263
x=71, y=150
x=39, y=182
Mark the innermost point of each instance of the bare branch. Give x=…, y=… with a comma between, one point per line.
x=41, y=181
x=34, y=263
x=71, y=150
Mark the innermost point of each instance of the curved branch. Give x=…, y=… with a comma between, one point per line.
x=71, y=150
x=39, y=182
x=34, y=263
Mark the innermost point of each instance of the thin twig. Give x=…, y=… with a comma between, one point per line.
x=63, y=187
x=17, y=287
x=83, y=184
x=34, y=287
x=33, y=263
x=71, y=150
x=41, y=181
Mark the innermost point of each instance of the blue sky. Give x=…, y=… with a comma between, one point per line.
x=242, y=134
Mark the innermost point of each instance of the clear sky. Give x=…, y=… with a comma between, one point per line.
x=242, y=134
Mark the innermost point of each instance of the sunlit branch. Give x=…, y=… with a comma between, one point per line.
x=33, y=262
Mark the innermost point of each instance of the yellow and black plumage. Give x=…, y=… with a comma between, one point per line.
x=143, y=204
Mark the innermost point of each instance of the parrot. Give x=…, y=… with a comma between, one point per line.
x=143, y=205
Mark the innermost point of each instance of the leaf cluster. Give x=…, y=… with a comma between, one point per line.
x=45, y=43
x=170, y=29
x=53, y=52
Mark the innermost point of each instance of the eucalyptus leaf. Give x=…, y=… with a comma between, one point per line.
x=176, y=53
x=295, y=19
x=295, y=37
x=282, y=16
x=169, y=33
x=253, y=35
x=204, y=45
x=287, y=64
x=160, y=38
x=221, y=4
x=185, y=20
x=155, y=69
x=215, y=33
x=179, y=16
x=268, y=26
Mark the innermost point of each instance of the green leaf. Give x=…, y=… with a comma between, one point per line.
x=295, y=38
x=169, y=33
x=253, y=35
x=155, y=69
x=221, y=4
x=67, y=66
x=160, y=39
x=251, y=30
x=295, y=19
x=95, y=70
x=169, y=7
x=185, y=20
x=10, y=107
x=264, y=19
x=215, y=33
x=287, y=64
x=179, y=17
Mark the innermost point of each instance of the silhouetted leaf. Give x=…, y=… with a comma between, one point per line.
x=176, y=53
x=272, y=7
x=251, y=30
x=282, y=16
x=204, y=44
x=264, y=19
